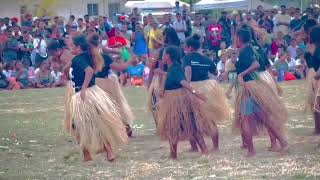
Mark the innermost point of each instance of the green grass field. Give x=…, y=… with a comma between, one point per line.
x=34, y=146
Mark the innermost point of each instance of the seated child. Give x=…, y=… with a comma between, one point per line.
x=21, y=76
x=43, y=76
x=56, y=75
x=4, y=83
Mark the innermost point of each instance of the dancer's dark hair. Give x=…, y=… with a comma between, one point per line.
x=193, y=42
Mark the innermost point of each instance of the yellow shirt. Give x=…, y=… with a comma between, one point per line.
x=153, y=34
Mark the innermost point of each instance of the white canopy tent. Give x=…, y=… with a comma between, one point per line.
x=222, y=4
x=153, y=4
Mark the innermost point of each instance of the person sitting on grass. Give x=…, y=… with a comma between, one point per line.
x=21, y=76
x=43, y=76
x=56, y=75
x=4, y=83
x=135, y=72
x=281, y=66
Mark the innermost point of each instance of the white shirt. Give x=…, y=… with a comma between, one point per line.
x=8, y=74
x=280, y=18
x=42, y=50
x=56, y=76
x=178, y=26
x=292, y=65
x=293, y=51
x=220, y=67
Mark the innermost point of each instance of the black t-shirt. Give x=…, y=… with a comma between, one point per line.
x=79, y=64
x=246, y=58
x=308, y=58
x=315, y=59
x=175, y=75
x=295, y=24
x=105, y=71
x=262, y=58
x=165, y=67
x=200, y=65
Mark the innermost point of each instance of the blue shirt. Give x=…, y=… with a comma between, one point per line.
x=136, y=71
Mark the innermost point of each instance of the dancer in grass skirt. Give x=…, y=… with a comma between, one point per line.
x=111, y=85
x=256, y=105
x=197, y=68
x=157, y=80
x=95, y=121
x=181, y=114
x=313, y=93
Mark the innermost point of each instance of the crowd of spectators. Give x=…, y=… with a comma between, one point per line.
x=26, y=63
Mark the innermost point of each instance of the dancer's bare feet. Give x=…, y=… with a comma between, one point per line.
x=284, y=150
x=274, y=148
x=86, y=156
x=251, y=154
x=111, y=157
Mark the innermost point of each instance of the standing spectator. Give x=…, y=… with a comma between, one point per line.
x=177, y=9
x=226, y=28
x=283, y=21
x=154, y=39
x=180, y=27
x=2, y=25
x=296, y=23
x=86, y=19
x=14, y=21
x=252, y=22
x=214, y=35
x=185, y=18
x=126, y=33
x=292, y=49
x=40, y=49
x=26, y=47
x=264, y=23
x=81, y=27
x=11, y=48
x=237, y=21
x=72, y=21
x=139, y=42
x=199, y=29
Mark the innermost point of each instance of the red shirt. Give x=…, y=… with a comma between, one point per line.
x=215, y=33
x=117, y=40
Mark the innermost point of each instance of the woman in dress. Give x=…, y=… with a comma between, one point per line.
x=111, y=85
x=256, y=105
x=197, y=68
x=94, y=122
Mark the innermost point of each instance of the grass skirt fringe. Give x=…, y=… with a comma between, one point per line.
x=97, y=120
x=153, y=97
x=112, y=87
x=311, y=91
x=269, y=79
x=217, y=108
x=68, y=108
x=272, y=108
x=181, y=115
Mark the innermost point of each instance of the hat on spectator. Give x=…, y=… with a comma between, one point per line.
x=14, y=19
x=122, y=17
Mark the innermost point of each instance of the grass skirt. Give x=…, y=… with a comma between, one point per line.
x=68, y=108
x=96, y=120
x=112, y=87
x=153, y=97
x=217, y=108
x=311, y=91
x=269, y=104
x=181, y=115
x=269, y=79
